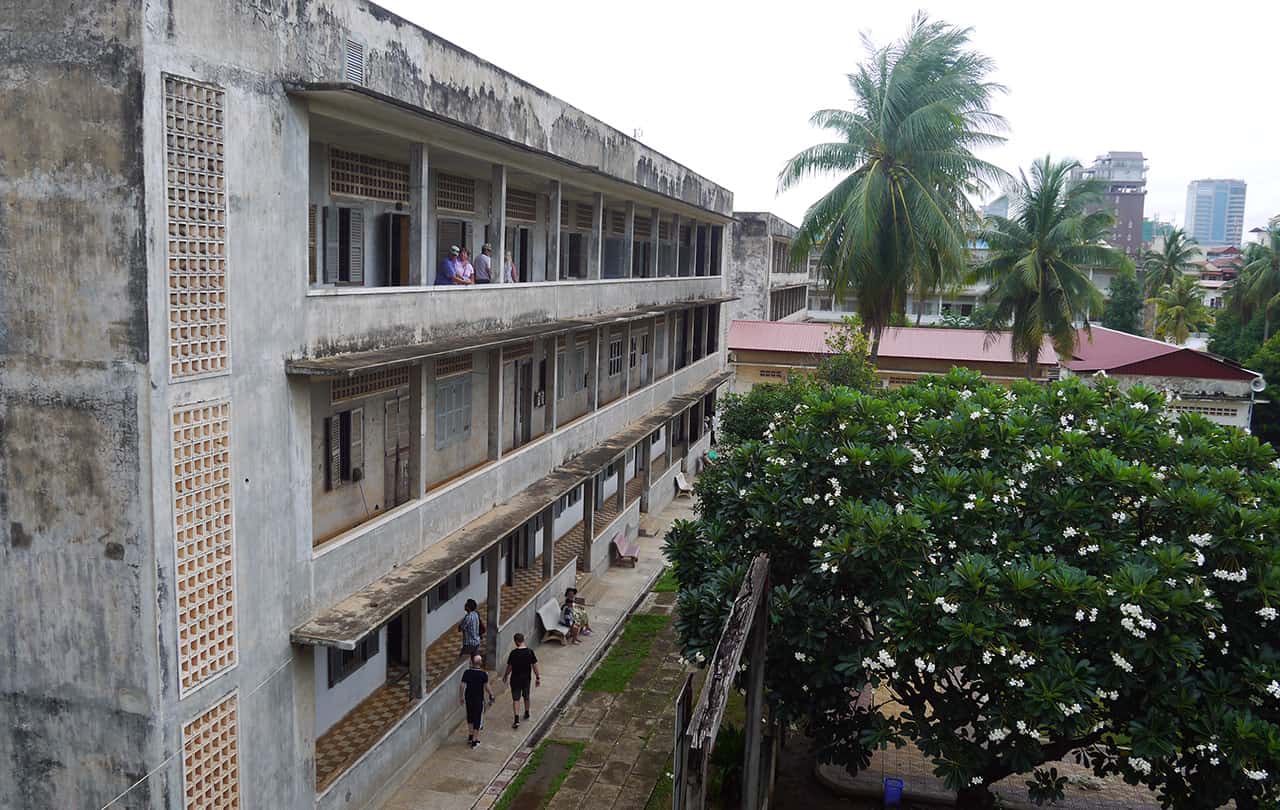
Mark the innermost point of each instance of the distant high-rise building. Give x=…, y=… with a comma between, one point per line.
x=1125, y=177
x=1153, y=229
x=1215, y=211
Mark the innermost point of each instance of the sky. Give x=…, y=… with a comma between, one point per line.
x=727, y=88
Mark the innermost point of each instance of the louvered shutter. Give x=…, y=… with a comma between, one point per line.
x=357, y=444
x=355, y=254
x=390, y=419
x=331, y=243
x=402, y=450
x=333, y=452
x=311, y=244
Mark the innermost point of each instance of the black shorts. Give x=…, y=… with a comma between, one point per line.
x=519, y=691
x=475, y=712
x=469, y=650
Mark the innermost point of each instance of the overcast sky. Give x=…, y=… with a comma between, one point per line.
x=727, y=88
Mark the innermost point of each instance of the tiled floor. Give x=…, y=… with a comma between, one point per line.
x=354, y=734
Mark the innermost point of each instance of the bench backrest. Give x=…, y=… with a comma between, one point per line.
x=549, y=612
x=682, y=482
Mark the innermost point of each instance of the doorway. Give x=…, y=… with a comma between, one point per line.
x=523, y=410
x=517, y=242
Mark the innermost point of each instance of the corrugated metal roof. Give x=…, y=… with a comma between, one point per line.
x=1108, y=348
x=925, y=343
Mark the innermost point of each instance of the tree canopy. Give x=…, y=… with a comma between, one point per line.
x=1180, y=310
x=1021, y=572
x=1124, y=305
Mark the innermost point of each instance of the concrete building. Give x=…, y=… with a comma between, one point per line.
x=764, y=352
x=769, y=286
x=1215, y=211
x=1125, y=177
x=253, y=461
x=998, y=207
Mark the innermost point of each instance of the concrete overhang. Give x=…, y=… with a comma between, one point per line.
x=343, y=625
x=352, y=363
x=369, y=108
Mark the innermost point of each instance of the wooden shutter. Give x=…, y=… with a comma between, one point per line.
x=355, y=249
x=311, y=244
x=403, y=453
x=390, y=420
x=333, y=452
x=356, y=451
x=331, y=242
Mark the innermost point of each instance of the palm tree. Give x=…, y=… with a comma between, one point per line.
x=1175, y=258
x=1180, y=310
x=1039, y=259
x=1259, y=281
x=898, y=216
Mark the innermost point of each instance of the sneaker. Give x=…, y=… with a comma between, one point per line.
x=516, y=723
x=526, y=714
x=474, y=743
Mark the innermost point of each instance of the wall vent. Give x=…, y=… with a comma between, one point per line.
x=522, y=206
x=355, y=62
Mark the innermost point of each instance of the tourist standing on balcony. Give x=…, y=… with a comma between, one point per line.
x=448, y=267
x=509, y=269
x=475, y=684
x=484, y=265
x=466, y=273
x=522, y=668
x=471, y=628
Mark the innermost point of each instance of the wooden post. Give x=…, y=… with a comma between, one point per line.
x=752, y=778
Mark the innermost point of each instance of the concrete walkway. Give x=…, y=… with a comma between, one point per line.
x=455, y=777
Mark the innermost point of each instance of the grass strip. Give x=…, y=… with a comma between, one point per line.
x=616, y=670
x=531, y=765
x=660, y=798
x=667, y=582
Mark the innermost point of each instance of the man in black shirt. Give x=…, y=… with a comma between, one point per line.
x=522, y=667
x=475, y=683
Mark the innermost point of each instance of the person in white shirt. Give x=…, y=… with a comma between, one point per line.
x=484, y=265
x=509, y=269
x=466, y=274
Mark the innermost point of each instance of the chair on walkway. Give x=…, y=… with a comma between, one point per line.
x=626, y=549
x=549, y=615
x=683, y=487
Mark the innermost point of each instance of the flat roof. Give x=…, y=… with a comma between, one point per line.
x=343, y=625
x=352, y=363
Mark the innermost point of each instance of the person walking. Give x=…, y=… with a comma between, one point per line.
x=484, y=265
x=471, y=693
x=522, y=669
x=471, y=628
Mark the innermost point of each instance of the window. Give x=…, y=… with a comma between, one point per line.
x=644, y=349
x=344, y=662
x=631, y=363
x=582, y=373
x=453, y=410
x=660, y=338
x=615, y=357
x=344, y=448
x=343, y=245
x=656, y=436
x=562, y=372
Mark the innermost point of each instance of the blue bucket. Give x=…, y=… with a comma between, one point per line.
x=892, y=791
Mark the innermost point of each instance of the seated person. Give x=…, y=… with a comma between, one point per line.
x=579, y=612
x=567, y=621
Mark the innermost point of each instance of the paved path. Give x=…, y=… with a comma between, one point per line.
x=455, y=777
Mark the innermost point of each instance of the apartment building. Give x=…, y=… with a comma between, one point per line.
x=254, y=458
x=768, y=283
x=1215, y=211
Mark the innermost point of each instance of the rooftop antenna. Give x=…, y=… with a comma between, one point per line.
x=637, y=133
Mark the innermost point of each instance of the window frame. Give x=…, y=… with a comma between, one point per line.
x=452, y=410
x=615, y=356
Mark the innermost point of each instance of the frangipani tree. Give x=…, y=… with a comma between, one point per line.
x=1021, y=573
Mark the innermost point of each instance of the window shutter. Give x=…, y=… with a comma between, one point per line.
x=357, y=443
x=402, y=425
x=333, y=452
x=466, y=406
x=356, y=250
x=330, y=244
x=311, y=244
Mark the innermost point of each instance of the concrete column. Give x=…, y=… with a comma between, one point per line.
x=629, y=240
x=552, y=352
x=595, y=248
x=554, y=226
x=688, y=335
x=753, y=729
x=654, y=242
x=643, y=451
x=621, y=494
x=675, y=239
x=492, y=612
x=593, y=351
x=626, y=359
x=418, y=381
x=495, y=403
x=549, y=542
x=498, y=220
x=653, y=352
x=417, y=644
x=588, y=523
x=704, y=266
x=420, y=219
x=666, y=451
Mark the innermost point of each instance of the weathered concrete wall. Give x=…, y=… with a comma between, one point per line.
x=750, y=247
x=78, y=682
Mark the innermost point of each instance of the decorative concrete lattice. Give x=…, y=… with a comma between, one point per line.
x=455, y=193
x=202, y=516
x=522, y=205
x=369, y=383
x=585, y=217
x=352, y=174
x=456, y=364
x=196, y=202
x=211, y=759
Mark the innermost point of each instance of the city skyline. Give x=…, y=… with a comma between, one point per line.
x=788, y=66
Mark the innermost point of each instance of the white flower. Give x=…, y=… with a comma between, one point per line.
x=997, y=734
x=1119, y=517
x=987, y=657
x=947, y=607
x=1256, y=776
x=1017, y=682
x=1231, y=576
x=1074, y=708
x=968, y=505
x=977, y=780
x=885, y=659
x=975, y=415
x=1268, y=614
x=984, y=453
x=898, y=508
x=1140, y=765
x=1200, y=540
x=1069, y=532
x=801, y=657
x=1273, y=689
x=1079, y=615
x=1023, y=622
x=1022, y=726
x=817, y=543
x=1120, y=662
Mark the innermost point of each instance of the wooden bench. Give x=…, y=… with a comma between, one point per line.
x=627, y=550
x=683, y=487
x=549, y=615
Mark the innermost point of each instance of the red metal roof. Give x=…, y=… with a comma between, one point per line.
x=929, y=343
x=1122, y=353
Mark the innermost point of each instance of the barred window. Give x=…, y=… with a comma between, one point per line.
x=617, y=222
x=644, y=228
x=615, y=357
x=522, y=205
x=352, y=174
x=450, y=366
x=585, y=217
x=455, y=193
x=453, y=410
